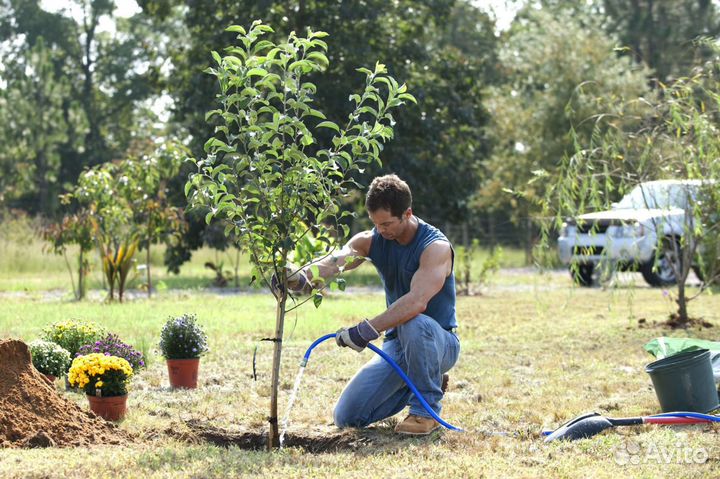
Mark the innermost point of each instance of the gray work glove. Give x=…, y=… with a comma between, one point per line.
x=356, y=337
x=297, y=281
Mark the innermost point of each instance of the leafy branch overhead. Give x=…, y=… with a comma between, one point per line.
x=275, y=163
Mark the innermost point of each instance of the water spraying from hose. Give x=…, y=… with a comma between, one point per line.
x=291, y=401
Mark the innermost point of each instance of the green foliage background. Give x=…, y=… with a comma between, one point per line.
x=493, y=114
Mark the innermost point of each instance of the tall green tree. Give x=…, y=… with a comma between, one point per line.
x=656, y=33
x=660, y=34
x=34, y=129
x=559, y=69
x=108, y=75
x=445, y=49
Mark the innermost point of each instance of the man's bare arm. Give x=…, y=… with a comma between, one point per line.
x=435, y=267
x=348, y=257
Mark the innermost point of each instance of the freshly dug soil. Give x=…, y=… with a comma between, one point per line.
x=33, y=414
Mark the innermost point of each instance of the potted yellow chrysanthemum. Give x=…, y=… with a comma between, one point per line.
x=104, y=379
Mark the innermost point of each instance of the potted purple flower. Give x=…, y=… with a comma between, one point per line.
x=182, y=342
x=112, y=345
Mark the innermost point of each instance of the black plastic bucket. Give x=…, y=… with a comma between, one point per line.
x=684, y=382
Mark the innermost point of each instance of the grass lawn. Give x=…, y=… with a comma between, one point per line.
x=26, y=266
x=532, y=357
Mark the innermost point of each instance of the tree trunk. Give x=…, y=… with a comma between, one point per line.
x=237, y=267
x=300, y=18
x=686, y=255
x=121, y=285
x=491, y=230
x=81, y=276
x=149, y=277
x=682, y=304
x=41, y=181
x=104, y=278
x=273, y=433
x=468, y=257
x=528, y=242
x=94, y=144
x=72, y=280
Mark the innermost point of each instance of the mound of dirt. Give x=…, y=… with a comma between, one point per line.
x=33, y=414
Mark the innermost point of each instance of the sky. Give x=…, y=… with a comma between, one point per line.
x=504, y=10
x=123, y=8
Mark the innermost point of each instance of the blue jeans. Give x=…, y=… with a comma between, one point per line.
x=424, y=351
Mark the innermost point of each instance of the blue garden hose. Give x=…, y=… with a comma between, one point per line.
x=696, y=415
x=397, y=370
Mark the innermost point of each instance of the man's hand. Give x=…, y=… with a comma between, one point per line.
x=297, y=281
x=356, y=337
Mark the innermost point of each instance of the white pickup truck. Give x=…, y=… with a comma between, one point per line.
x=651, y=217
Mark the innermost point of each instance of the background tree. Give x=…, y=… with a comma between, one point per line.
x=104, y=78
x=559, y=70
x=111, y=216
x=32, y=112
x=73, y=229
x=145, y=187
x=656, y=34
x=677, y=139
x=266, y=171
x=660, y=34
x=123, y=207
x=445, y=48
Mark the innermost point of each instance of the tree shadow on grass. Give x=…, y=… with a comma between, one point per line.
x=318, y=439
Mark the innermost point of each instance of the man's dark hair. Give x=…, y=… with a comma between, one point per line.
x=389, y=193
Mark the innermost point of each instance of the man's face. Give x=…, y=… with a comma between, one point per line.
x=390, y=227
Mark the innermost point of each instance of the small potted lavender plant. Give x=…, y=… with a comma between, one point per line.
x=182, y=342
x=112, y=345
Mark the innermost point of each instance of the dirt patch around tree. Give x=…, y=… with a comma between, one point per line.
x=318, y=439
x=33, y=414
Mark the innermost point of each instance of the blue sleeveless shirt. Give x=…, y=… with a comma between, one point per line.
x=397, y=264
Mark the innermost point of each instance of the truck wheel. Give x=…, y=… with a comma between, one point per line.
x=668, y=261
x=583, y=274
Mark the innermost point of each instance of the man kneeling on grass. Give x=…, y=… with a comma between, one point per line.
x=415, y=263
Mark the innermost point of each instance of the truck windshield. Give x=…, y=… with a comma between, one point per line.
x=658, y=196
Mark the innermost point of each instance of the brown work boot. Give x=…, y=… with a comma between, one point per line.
x=445, y=381
x=417, y=425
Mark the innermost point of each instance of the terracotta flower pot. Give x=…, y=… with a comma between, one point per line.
x=183, y=372
x=112, y=408
x=50, y=378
